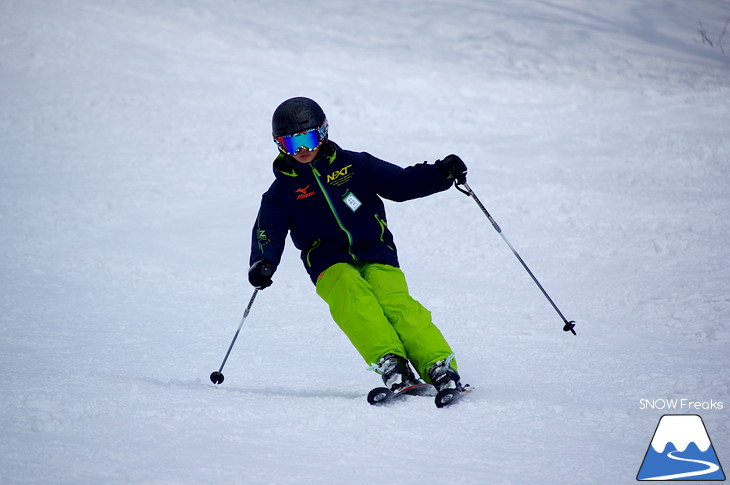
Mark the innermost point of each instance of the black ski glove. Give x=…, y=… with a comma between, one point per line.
x=453, y=168
x=260, y=273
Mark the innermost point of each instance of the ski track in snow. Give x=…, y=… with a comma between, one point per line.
x=135, y=144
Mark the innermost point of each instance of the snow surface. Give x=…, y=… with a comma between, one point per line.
x=135, y=144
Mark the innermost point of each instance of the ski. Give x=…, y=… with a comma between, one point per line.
x=382, y=395
x=447, y=397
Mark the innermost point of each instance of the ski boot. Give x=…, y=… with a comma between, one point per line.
x=443, y=376
x=396, y=372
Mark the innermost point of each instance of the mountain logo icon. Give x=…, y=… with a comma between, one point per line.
x=680, y=450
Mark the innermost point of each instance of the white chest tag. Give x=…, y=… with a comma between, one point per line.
x=351, y=201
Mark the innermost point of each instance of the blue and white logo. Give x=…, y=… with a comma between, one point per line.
x=681, y=450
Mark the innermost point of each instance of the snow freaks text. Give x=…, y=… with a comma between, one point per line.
x=680, y=404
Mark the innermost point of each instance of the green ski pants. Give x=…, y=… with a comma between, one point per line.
x=371, y=304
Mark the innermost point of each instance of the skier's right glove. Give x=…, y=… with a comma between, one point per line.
x=260, y=273
x=452, y=168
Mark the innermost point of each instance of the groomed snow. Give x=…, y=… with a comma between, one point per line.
x=134, y=147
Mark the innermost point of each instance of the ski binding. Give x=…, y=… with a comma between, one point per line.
x=447, y=397
x=382, y=395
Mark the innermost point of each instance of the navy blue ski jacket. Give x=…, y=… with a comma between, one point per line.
x=333, y=208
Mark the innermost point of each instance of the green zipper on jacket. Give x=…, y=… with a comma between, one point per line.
x=314, y=246
x=383, y=225
x=334, y=211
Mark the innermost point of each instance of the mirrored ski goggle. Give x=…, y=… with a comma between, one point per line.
x=309, y=140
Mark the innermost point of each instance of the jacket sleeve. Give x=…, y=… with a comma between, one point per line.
x=269, y=232
x=399, y=184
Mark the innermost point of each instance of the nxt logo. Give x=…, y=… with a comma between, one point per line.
x=304, y=192
x=339, y=177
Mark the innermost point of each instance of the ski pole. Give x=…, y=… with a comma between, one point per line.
x=217, y=376
x=569, y=325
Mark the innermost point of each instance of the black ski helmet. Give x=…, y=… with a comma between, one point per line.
x=295, y=115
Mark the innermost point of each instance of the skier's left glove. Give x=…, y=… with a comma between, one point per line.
x=260, y=273
x=452, y=168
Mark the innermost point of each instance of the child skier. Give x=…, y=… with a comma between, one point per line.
x=329, y=199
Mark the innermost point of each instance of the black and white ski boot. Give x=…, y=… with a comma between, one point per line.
x=447, y=383
x=443, y=376
x=396, y=372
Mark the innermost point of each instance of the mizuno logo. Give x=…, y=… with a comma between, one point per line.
x=304, y=192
